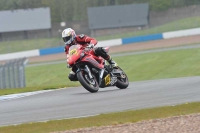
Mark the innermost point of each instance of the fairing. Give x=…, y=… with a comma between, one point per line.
x=74, y=55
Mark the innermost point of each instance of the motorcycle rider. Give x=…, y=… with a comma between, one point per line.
x=70, y=38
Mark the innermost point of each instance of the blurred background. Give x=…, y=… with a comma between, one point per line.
x=35, y=24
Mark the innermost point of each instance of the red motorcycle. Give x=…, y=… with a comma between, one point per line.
x=93, y=72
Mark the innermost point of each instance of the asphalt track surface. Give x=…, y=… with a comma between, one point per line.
x=77, y=102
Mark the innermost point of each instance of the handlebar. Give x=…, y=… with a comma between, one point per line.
x=88, y=48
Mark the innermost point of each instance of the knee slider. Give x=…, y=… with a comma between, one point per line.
x=104, y=51
x=100, y=50
x=97, y=50
x=72, y=77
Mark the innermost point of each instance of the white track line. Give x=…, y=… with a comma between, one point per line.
x=15, y=96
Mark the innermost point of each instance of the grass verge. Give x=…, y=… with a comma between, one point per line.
x=27, y=89
x=150, y=66
x=104, y=119
x=186, y=23
x=168, y=64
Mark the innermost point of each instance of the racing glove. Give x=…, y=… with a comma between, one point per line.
x=90, y=46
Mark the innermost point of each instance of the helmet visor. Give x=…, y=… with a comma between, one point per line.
x=66, y=39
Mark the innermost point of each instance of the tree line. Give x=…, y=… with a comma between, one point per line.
x=72, y=10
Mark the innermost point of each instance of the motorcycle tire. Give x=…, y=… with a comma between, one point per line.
x=82, y=77
x=122, y=83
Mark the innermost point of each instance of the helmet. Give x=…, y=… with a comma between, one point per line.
x=68, y=36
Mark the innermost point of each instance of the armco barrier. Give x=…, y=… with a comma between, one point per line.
x=54, y=50
x=113, y=42
x=12, y=74
x=181, y=33
x=60, y=49
x=142, y=38
x=17, y=55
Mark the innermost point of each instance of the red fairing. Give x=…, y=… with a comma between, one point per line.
x=94, y=60
x=75, y=52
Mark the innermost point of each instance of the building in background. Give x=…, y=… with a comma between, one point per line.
x=25, y=24
x=114, y=19
x=100, y=21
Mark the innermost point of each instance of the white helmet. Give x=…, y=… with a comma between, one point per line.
x=68, y=36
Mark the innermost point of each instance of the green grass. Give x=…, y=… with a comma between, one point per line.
x=104, y=119
x=23, y=45
x=187, y=23
x=16, y=46
x=27, y=89
x=49, y=75
x=149, y=66
x=169, y=64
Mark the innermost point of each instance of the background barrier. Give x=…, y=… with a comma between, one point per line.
x=54, y=50
x=181, y=33
x=142, y=38
x=12, y=74
x=113, y=42
x=17, y=55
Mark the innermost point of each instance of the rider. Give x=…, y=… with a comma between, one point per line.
x=70, y=38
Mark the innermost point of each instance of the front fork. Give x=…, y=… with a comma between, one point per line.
x=86, y=69
x=89, y=72
x=101, y=75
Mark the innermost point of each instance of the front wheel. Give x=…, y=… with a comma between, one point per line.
x=89, y=84
x=122, y=80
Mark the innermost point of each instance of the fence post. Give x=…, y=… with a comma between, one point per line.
x=24, y=74
x=12, y=74
x=19, y=76
x=4, y=81
x=1, y=77
x=9, y=82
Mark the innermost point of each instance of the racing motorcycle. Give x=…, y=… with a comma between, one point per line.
x=92, y=71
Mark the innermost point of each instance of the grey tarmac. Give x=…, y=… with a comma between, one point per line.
x=77, y=102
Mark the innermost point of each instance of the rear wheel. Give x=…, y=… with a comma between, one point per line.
x=89, y=84
x=122, y=80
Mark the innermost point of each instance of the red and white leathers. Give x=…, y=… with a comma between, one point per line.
x=70, y=38
x=83, y=40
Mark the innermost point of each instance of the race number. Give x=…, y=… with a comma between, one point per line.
x=73, y=51
x=107, y=79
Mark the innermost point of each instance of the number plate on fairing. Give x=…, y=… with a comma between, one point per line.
x=73, y=51
x=107, y=80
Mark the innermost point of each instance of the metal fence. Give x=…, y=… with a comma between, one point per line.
x=12, y=74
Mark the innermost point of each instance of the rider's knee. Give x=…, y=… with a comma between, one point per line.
x=72, y=77
x=102, y=52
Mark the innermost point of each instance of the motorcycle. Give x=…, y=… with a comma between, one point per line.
x=92, y=71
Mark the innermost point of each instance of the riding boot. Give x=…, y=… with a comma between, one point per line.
x=112, y=62
x=103, y=53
